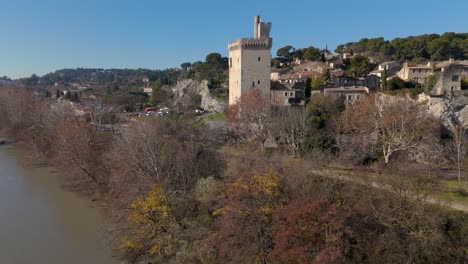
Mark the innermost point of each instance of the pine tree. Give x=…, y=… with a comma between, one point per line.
x=158, y=94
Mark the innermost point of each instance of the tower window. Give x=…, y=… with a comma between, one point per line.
x=258, y=81
x=253, y=84
x=259, y=58
x=230, y=62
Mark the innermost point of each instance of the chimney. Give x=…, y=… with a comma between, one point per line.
x=256, y=27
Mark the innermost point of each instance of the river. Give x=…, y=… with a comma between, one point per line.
x=42, y=224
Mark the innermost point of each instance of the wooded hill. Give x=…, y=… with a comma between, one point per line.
x=414, y=48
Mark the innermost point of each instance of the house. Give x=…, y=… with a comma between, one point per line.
x=418, y=73
x=293, y=78
x=286, y=95
x=392, y=68
x=310, y=67
x=276, y=73
x=340, y=81
x=299, y=73
x=448, y=76
x=372, y=82
x=148, y=90
x=444, y=76
x=351, y=94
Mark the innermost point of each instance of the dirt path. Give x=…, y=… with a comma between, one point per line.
x=334, y=175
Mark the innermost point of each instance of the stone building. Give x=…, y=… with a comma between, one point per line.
x=418, y=73
x=448, y=76
x=441, y=77
x=250, y=62
x=351, y=94
x=287, y=94
x=392, y=68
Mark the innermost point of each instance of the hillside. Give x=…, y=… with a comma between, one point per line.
x=414, y=48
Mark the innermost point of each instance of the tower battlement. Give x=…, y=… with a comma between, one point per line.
x=250, y=43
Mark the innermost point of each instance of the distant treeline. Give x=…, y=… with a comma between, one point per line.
x=213, y=69
x=414, y=48
x=102, y=76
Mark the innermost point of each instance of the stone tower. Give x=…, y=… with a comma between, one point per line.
x=250, y=62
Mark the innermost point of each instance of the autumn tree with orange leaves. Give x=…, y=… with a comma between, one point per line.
x=244, y=232
x=308, y=232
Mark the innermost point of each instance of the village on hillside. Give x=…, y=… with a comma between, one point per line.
x=295, y=76
x=308, y=156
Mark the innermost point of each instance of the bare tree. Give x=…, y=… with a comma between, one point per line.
x=392, y=124
x=82, y=145
x=290, y=128
x=458, y=143
x=252, y=115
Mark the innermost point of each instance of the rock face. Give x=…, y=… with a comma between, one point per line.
x=453, y=105
x=210, y=103
x=187, y=91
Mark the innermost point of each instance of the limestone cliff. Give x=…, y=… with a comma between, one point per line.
x=190, y=91
x=453, y=105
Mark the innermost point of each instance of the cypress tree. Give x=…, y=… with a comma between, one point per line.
x=384, y=79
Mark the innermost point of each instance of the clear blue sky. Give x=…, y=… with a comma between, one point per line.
x=39, y=36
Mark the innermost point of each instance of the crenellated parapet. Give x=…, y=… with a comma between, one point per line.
x=250, y=43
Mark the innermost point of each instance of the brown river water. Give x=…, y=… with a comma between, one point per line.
x=42, y=224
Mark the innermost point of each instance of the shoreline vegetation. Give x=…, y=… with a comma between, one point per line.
x=178, y=191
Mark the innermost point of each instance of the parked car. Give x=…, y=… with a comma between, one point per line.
x=199, y=111
x=163, y=111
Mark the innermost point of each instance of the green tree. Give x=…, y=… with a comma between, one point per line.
x=312, y=54
x=323, y=114
x=185, y=65
x=213, y=70
x=158, y=95
x=286, y=54
x=384, y=79
x=275, y=63
x=316, y=83
x=360, y=66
